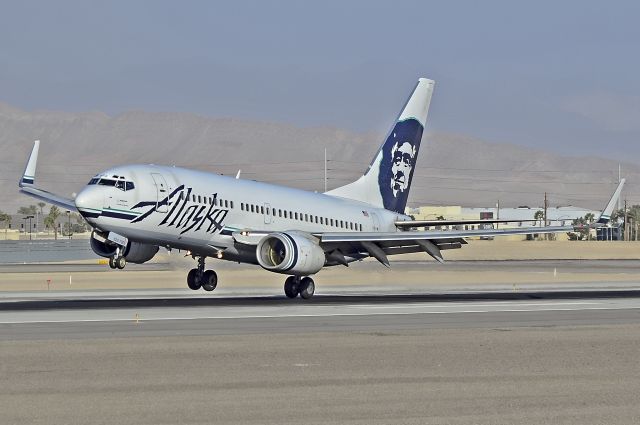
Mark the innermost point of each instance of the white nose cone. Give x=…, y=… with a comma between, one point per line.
x=89, y=202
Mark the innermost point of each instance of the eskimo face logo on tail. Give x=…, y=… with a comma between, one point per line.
x=399, y=155
x=184, y=214
x=403, y=154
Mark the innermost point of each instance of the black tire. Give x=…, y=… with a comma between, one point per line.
x=307, y=288
x=209, y=280
x=192, y=281
x=112, y=263
x=291, y=287
x=121, y=262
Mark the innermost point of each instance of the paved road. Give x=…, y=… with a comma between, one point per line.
x=499, y=357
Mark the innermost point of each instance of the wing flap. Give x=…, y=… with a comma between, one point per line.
x=429, y=223
x=443, y=236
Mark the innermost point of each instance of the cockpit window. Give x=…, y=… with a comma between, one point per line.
x=107, y=182
x=118, y=184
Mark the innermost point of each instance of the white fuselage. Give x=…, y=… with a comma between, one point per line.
x=199, y=211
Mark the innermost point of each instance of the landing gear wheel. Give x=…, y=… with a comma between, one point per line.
x=209, y=280
x=291, y=287
x=307, y=288
x=112, y=263
x=192, y=279
x=120, y=262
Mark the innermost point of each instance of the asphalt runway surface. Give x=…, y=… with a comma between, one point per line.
x=349, y=356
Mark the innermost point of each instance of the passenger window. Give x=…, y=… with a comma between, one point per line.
x=252, y=208
x=261, y=209
x=321, y=220
x=231, y=204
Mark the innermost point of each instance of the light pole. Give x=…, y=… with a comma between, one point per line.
x=69, y=223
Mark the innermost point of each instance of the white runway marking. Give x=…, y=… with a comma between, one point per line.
x=156, y=314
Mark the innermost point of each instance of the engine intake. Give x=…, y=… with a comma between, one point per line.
x=134, y=252
x=294, y=253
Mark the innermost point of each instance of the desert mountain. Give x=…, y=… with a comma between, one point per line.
x=452, y=169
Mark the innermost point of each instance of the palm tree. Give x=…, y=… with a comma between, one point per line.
x=539, y=216
x=50, y=220
x=30, y=210
x=589, y=218
x=6, y=218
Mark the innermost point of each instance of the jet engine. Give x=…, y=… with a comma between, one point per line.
x=294, y=253
x=134, y=252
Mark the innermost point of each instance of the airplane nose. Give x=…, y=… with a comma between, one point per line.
x=87, y=203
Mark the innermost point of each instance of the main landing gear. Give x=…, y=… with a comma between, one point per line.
x=201, y=278
x=295, y=285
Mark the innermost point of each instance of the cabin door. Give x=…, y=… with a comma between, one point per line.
x=162, y=192
x=376, y=222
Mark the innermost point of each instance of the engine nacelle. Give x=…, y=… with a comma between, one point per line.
x=294, y=253
x=134, y=252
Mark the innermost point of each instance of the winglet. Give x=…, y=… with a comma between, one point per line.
x=29, y=175
x=605, y=216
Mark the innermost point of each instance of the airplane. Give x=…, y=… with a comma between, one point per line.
x=135, y=209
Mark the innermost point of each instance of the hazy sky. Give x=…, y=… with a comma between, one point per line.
x=563, y=75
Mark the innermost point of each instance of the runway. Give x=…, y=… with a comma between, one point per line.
x=399, y=353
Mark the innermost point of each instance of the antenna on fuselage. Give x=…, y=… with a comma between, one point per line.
x=238, y=175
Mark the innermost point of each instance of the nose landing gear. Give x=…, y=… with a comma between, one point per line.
x=117, y=261
x=295, y=285
x=199, y=278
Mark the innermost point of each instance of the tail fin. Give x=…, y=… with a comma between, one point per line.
x=387, y=181
x=605, y=216
x=29, y=175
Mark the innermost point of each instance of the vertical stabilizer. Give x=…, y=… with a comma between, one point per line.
x=387, y=181
x=605, y=216
x=29, y=175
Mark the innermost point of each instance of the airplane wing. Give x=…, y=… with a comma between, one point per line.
x=430, y=223
x=379, y=245
x=341, y=246
x=27, y=184
x=605, y=215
